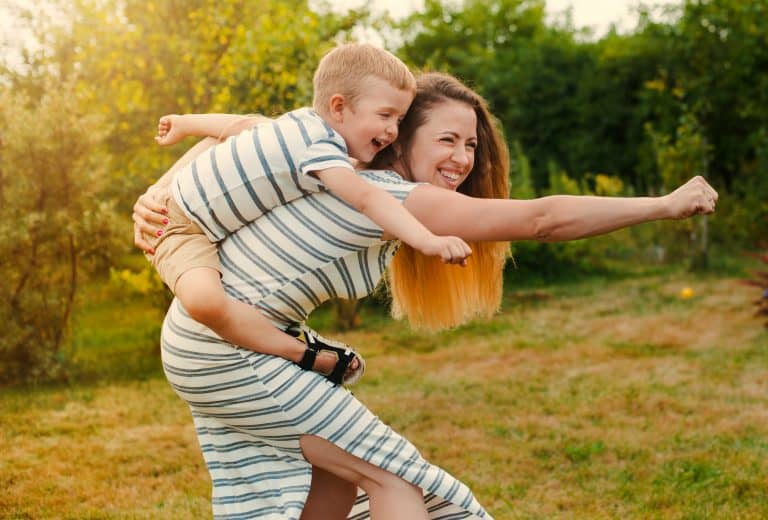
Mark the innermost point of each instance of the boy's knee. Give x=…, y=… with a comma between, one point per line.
x=205, y=308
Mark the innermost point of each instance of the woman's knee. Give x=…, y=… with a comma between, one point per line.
x=202, y=295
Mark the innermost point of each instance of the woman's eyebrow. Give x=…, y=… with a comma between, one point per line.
x=456, y=135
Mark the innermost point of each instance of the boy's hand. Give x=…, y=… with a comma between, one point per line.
x=452, y=250
x=169, y=130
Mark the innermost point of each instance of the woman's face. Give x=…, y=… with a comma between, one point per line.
x=442, y=150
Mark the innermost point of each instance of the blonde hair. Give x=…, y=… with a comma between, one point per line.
x=344, y=68
x=430, y=294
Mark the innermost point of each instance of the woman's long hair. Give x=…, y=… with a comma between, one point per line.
x=431, y=294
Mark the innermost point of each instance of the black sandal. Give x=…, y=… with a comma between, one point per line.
x=344, y=356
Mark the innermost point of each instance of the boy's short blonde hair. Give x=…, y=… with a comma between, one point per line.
x=343, y=70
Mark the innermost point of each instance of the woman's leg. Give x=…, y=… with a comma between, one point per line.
x=330, y=498
x=390, y=496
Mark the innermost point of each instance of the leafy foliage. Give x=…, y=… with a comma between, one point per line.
x=55, y=227
x=695, y=78
x=135, y=61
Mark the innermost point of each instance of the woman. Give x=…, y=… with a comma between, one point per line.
x=281, y=442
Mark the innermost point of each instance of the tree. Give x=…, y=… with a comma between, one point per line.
x=55, y=225
x=135, y=61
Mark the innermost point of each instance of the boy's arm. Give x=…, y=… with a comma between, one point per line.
x=173, y=128
x=389, y=213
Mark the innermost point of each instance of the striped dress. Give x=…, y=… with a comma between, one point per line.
x=250, y=409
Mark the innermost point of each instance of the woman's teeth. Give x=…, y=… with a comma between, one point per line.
x=453, y=177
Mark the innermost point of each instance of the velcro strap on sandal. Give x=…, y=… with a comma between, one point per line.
x=337, y=374
x=308, y=359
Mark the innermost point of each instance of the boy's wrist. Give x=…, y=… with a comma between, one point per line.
x=180, y=123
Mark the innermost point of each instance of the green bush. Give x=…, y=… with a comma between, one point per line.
x=54, y=228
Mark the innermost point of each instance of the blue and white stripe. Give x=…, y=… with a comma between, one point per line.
x=249, y=409
x=243, y=178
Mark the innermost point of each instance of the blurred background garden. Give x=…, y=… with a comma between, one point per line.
x=626, y=376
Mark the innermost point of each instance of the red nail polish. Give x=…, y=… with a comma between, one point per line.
x=159, y=232
x=165, y=221
x=164, y=211
x=151, y=251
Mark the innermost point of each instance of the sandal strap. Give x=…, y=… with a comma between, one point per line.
x=316, y=343
x=308, y=359
x=340, y=368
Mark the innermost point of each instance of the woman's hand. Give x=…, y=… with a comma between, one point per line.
x=146, y=212
x=695, y=197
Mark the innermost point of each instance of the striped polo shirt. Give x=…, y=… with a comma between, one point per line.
x=243, y=178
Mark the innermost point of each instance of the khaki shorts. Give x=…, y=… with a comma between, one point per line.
x=182, y=246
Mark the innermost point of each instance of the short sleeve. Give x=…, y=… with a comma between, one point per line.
x=328, y=152
x=390, y=182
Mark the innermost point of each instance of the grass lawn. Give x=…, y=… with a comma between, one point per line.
x=595, y=399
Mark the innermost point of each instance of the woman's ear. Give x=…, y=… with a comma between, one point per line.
x=336, y=107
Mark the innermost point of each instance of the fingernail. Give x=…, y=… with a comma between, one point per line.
x=164, y=211
x=159, y=232
x=151, y=251
x=165, y=221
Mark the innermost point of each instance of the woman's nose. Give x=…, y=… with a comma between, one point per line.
x=460, y=156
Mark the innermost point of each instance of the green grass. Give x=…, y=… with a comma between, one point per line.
x=610, y=397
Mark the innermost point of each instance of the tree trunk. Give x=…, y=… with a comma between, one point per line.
x=346, y=315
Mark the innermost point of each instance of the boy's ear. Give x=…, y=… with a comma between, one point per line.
x=336, y=107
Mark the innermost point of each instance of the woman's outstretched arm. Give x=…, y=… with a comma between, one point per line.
x=551, y=219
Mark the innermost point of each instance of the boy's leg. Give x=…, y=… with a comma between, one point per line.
x=203, y=296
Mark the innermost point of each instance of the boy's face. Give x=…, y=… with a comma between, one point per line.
x=370, y=124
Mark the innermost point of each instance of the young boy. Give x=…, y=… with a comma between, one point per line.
x=361, y=94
